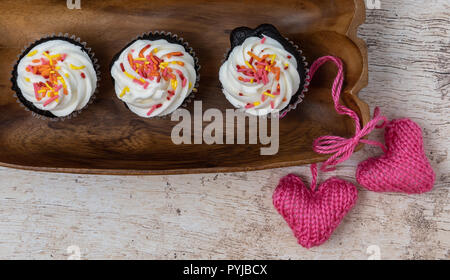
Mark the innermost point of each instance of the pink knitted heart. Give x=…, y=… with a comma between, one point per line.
x=404, y=167
x=313, y=213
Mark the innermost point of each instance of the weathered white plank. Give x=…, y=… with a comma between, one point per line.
x=231, y=215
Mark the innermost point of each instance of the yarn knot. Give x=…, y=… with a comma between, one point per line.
x=342, y=148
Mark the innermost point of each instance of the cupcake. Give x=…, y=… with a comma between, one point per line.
x=55, y=77
x=263, y=72
x=155, y=74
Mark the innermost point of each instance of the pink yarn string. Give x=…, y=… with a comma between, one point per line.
x=314, y=177
x=342, y=148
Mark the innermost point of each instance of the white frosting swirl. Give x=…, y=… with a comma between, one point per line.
x=260, y=91
x=154, y=89
x=74, y=77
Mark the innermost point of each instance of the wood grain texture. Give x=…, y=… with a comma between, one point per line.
x=230, y=215
x=109, y=139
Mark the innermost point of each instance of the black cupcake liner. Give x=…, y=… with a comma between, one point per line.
x=240, y=34
x=174, y=39
x=29, y=106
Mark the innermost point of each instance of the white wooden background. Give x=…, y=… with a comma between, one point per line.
x=230, y=216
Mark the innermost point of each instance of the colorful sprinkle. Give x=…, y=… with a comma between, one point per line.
x=73, y=67
x=254, y=56
x=32, y=53
x=64, y=85
x=249, y=65
x=140, y=82
x=49, y=58
x=163, y=65
x=153, y=58
x=141, y=53
x=268, y=94
x=273, y=59
x=125, y=90
x=174, y=83
x=129, y=75
x=36, y=91
x=169, y=55
x=153, y=108
x=130, y=61
x=277, y=73
x=50, y=100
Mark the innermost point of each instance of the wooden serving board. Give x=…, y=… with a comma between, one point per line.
x=109, y=139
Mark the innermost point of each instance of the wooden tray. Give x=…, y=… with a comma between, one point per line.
x=108, y=139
